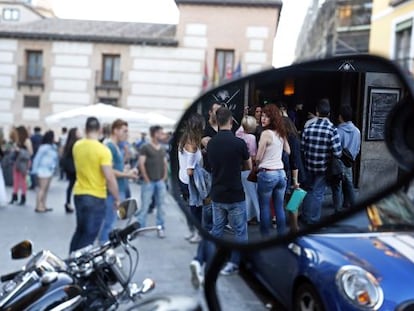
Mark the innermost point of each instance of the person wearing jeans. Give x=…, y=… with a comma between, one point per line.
x=227, y=156
x=158, y=191
x=272, y=185
x=119, y=133
x=245, y=132
x=316, y=191
x=94, y=177
x=154, y=169
x=350, y=136
x=271, y=179
x=90, y=213
x=320, y=141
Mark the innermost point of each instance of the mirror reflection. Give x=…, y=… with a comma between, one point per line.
x=281, y=150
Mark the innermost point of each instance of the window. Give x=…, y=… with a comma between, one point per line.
x=111, y=69
x=31, y=101
x=224, y=63
x=402, y=52
x=109, y=101
x=34, y=69
x=10, y=14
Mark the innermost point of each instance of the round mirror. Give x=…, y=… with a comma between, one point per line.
x=22, y=250
x=127, y=209
x=282, y=150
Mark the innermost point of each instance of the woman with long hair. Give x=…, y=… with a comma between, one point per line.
x=189, y=155
x=294, y=167
x=22, y=151
x=271, y=180
x=44, y=166
x=69, y=166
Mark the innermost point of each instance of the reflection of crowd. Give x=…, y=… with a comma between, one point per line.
x=284, y=159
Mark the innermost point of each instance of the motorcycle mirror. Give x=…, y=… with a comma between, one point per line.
x=370, y=92
x=22, y=250
x=127, y=209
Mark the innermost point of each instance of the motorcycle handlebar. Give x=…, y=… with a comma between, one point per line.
x=10, y=276
x=117, y=236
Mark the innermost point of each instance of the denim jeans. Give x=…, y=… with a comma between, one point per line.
x=312, y=204
x=235, y=215
x=272, y=185
x=90, y=214
x=158, y=190
x=110, y=217
x=343, y=193
x=252, y=199
x=203, y=255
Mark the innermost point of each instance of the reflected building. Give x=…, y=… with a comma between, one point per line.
x=334, y=27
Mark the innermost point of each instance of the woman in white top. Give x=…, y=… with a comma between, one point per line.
x=189, y=155
x=271, y=181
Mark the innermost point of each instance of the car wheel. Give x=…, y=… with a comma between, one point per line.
x=307, y=299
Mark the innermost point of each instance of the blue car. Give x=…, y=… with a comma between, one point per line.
x=363, y=263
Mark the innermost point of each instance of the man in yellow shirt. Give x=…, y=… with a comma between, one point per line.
x=94, y=176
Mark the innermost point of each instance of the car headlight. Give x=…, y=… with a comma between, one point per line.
x=359, y=287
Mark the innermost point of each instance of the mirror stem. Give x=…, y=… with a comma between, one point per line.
x=213, y=271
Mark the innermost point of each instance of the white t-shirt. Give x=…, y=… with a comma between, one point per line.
x=188, y=160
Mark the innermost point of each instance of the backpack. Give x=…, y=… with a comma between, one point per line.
x=22, y=161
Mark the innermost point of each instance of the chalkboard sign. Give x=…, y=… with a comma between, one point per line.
x=380, y=101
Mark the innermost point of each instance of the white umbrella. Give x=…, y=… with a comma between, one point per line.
x=105, y=113
x=159, y=119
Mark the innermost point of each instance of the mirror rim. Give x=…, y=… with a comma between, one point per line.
x=268, y=242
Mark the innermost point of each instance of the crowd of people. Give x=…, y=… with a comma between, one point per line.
x=97, y=166
x=254, y=171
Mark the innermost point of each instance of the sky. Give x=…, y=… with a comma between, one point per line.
x=165, y=11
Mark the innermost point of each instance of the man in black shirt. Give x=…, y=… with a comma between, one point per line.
x=227, y=156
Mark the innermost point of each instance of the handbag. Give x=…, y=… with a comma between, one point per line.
x=253, y=174
x=347, y=158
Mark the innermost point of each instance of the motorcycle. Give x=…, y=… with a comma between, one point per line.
x=93, y=278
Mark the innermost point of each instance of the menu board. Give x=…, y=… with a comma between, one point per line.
x=381, y=101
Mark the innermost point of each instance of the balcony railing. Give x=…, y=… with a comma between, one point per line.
x=32, y=76
x=108, y=85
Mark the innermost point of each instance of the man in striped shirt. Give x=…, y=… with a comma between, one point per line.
x=320, y=141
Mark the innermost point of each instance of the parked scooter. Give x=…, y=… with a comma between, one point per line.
x=92, y=278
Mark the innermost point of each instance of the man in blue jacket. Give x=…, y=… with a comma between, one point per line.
x=350, y=137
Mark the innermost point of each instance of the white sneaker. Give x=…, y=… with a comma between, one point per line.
x=161, y=234
x=230, y=269
x=189, y=236
x=196, y=274
x=195, y=239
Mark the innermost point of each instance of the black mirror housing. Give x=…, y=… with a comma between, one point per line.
x=22, y=250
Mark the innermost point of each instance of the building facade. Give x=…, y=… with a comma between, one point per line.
x=392, y=31
x=49, y=65
x=335, y=27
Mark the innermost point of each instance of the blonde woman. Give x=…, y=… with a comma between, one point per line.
x=246, y=132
